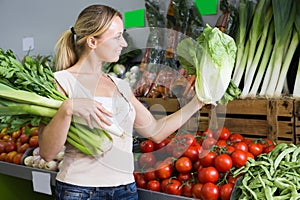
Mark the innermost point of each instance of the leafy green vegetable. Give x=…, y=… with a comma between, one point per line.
x=211, y=57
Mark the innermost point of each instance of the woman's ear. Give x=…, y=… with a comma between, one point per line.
x=91, y=42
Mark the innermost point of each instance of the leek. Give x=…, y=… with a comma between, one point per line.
x=266, y=57
x=246, y=11
x=287, y=61
x=252, y=63
x=284, y=15
x=296, y=92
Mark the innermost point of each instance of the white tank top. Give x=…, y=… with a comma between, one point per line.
x=116, y=166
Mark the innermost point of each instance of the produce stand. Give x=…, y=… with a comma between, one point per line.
x=25, y=173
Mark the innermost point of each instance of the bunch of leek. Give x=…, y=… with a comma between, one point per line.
x=211, y=57
x=268, y=46
x=28, y=95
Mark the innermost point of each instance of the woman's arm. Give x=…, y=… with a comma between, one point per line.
x=157, y=130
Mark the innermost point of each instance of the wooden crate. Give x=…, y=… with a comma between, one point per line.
x=160, y=107
x=297, y=120
x=255, y=118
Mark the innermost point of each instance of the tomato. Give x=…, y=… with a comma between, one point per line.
x=265, y=142
x=208, y=133
x=187, y=189
x=192, y=152
x=255, y=148
x=183, y=176
x=250, y=155
x=147, y=146
x=140, y=181
x=231, y=179
x=247, y=141
x=222, y=134
x=208, y=174
x=196, y=190
x=150, y=174
x=207, y=158
x=269, y=148
x=235, y=137
x=209, y=191
x=187, y=139
x=230, y=149
x=221, y=143
x=208, y=143
x=162, y=144
x=154, y=185
x=239, y=158
x=223, y=162
x=164, y=170
x=225, y=191
x=183, y=165
x=174, y=187
x=147, y=160
x=241, y=146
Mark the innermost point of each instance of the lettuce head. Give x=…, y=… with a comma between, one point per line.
x=211, y=57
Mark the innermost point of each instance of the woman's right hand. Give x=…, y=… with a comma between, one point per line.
x=88, y=110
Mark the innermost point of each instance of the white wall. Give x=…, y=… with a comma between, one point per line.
x=46, y=20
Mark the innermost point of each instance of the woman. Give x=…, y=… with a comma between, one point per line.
x=98, y=98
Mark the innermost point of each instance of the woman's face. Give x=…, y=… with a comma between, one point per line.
x=111, y=42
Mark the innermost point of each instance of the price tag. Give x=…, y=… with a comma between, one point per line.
x=41, y=182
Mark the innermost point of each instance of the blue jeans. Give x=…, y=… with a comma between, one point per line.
x=65, y=191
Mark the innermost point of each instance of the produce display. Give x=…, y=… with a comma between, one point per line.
x=202, y=165
x=14, y=145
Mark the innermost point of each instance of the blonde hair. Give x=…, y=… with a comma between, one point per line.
x=94, y=20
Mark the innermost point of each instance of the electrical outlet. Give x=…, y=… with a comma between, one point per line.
x=28, y=43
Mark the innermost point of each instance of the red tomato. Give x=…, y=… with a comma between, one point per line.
x=222, y=134
x=208, y=133
x=147, y=160
x=183, y=176
x=269, y=149
x=223, y=162
x=208, y=143
x=154, y=185
x=231, y=179
x=250, y=155
x=174, y=187
x=192, y=152
x=207, y=158
x=187, y=139
x=209, y=191
x=187, y=189
x=162, y=144
x=239, y=158
x=221, y=143
x=230, y=149
x=247, y=141
x=255, y=148
x=140, y=181
x=196, y=190
x=265, y=142
x=183, y=165
x=164, y=170
x=235, y=137
x=241, y=146
x=225, y=191
x=208, y=174
x=146, y=146
x=150, y=174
